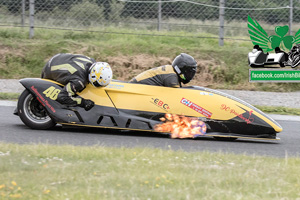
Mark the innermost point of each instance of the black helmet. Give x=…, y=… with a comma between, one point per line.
x=185, y=66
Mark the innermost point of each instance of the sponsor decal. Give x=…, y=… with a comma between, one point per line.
x=248, y=120
x=206, y=93
x=159, y=103
x=196, y=107
x=115, y=86
x=52, y=93
x=42, y=100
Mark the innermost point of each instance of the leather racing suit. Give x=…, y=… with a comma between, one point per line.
x=72, y=71
x=160, y=76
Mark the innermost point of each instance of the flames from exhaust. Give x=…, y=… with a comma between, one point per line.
x=181, y=126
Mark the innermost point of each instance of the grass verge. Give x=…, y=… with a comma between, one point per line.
x=280, y=110
x=223, y=67
x=69, y=172
x=9, y=96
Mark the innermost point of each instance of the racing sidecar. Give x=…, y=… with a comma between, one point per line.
x=131, y=106
x=260, y=59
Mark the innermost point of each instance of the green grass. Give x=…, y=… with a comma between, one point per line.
x=22, y=57
x=69, y=172
x=279, y=110
x=9, y=96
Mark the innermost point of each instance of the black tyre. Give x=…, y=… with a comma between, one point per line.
x=32, y=113
x=281, y=64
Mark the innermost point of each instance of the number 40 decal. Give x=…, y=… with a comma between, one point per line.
x=52, y=92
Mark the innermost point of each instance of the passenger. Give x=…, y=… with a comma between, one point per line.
x=182, y=70
x=285, y=57
x=75, y=72
x=262, y=57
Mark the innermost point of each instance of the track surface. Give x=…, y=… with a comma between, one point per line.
x=12, y=130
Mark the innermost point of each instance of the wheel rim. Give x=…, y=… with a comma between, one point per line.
x=35, y=111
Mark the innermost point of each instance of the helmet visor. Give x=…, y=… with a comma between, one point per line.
x=189, y=73
x=96, y=84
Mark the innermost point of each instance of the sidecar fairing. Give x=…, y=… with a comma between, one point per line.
x=258, y=59
x=131, y=106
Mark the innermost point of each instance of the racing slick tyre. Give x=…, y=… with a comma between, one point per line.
x=32, y=113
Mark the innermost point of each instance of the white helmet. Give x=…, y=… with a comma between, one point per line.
x=100, y=74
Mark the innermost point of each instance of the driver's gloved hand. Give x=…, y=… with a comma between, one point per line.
x=87, y=104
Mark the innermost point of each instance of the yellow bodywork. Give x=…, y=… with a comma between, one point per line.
x=189, y=102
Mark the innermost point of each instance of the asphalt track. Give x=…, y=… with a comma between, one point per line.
x=12, y=130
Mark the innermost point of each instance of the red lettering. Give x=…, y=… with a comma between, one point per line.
x=224, y=107
x=196, y=107
x=160, y=103
x=41, y=99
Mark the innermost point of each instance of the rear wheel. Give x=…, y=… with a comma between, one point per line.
x=32, y=113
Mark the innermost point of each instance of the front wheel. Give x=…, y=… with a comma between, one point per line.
x=32, y=113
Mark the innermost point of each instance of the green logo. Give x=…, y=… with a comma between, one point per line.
x=268, y=43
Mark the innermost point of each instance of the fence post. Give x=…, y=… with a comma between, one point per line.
x=291, y=18
x=31, y=18
x=159, y=16
x=221, y=18
x=23, y=14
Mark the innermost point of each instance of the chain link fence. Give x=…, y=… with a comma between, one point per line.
x=222, y=18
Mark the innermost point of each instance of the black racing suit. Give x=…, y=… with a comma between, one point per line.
x=160, y=76
x=72, y=71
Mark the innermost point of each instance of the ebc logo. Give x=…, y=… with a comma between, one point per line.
x=160, y=103
x=195, y=107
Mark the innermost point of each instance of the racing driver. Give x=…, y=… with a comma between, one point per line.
x=182, y=70
x=75, y=72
